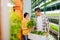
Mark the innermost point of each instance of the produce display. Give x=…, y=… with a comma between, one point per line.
x=31, y=23
x=15, y=25
x=52, y=14
x=38, y=32
x=54, y=20
x=54, y=27
x=48, y=3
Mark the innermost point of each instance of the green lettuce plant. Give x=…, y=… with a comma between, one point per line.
x=31, y=23
x=15, y=25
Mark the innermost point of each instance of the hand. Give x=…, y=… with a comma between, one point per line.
x=47, y=34
x=32, y=29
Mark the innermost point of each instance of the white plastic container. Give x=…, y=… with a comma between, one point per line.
x=36, y=37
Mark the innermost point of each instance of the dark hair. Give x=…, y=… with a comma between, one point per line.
x=37, y=9
x=25, y=14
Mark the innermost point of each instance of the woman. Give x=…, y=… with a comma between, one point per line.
x=25, y=30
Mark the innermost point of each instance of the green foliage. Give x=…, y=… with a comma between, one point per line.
x=38, y=32
x=52, y=14
x=15, y=25
x=54, y=20
x=31, y=23
x=54, y=27
x=33, y=15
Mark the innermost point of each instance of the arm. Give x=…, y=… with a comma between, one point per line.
x=47, y=26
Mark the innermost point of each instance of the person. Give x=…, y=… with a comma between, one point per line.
x=25, y=30
x=42, y=22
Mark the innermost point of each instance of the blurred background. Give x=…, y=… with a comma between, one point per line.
x=51, y=8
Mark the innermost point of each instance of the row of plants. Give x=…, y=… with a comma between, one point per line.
x=48, y=14
x=53, y=14
x=54, y=20
x=54, y=27
x=38, y=32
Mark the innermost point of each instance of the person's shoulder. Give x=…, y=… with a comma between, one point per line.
x=45, y=16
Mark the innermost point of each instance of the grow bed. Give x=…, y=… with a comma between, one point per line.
x=37, y=35
x=54, y=28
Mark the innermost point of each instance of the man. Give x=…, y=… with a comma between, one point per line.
x=42, y=22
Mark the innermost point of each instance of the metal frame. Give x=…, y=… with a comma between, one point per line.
x=0, y=20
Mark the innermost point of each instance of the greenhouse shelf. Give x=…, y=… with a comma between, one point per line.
x=53, y=31
x=53, y=17
x=54, y=28
x=51, y=4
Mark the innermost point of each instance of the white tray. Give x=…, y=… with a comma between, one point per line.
x=36, y=37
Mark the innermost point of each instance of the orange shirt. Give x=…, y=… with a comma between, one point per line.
x=25, y=30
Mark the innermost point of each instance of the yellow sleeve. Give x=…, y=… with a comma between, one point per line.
x=24, y=25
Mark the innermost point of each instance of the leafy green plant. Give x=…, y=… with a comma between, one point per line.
x=15, y=25
x=52, y=14
x=31, y=23
x=54, y=20
x=38, y=32
x=54, y=27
